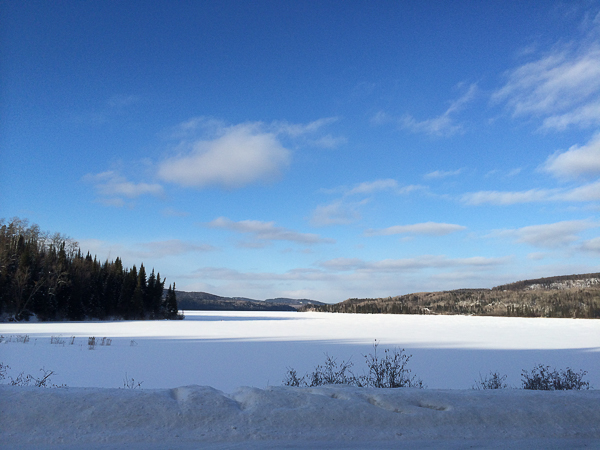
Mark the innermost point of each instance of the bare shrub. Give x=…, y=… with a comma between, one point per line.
x=30, y=380
x=57, y=340
x=387, y=372
x=3, y=369
x=22, y=338
x=130, y=383
x=492, y=381
x=543, y=378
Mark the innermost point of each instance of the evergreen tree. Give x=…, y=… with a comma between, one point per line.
x=171, y=308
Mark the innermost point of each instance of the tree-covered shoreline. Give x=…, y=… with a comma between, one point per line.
x=47, y=275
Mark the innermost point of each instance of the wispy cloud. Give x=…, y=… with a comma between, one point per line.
x=426, y=228
x=443, y=125
x=372, y=187
x=577, y=161
x=551, y=235
x=586, y=193
x=346, y=210
x=591, y=245
x=113, y=187
x=143, y=250
x=296, y=129
x=122, y=101
x=562, y=86
x=507, y=197
x=267, y=231
x=339, y=212
x=172, y=212
x=442, y=174
x=417, y=263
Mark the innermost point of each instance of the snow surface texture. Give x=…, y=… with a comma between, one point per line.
x=286, y=417
x=230, y=349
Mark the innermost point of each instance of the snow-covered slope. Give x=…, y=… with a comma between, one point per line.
x=286, y=417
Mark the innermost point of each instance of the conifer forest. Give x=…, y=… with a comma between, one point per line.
x=47, y=275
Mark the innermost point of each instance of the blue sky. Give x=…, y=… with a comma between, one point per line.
x=310, y=149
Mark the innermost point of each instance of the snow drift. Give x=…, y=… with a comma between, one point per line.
x=276, y=417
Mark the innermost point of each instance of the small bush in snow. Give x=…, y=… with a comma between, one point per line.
x=57, y=340
x=387, y=372
x=130, y=383
x=3, y=369
x=29, y=380
x=542, y=378
x=22, y=338
x=492, y=381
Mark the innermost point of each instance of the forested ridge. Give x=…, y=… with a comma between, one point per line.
x=47, y=275
x=572, y=296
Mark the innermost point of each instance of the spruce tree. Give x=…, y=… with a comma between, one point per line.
x=171, y=308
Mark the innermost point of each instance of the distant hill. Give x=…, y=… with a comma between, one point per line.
x=576, y=296
x=203, y=301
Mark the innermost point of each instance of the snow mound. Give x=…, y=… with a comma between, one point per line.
x=286, y=417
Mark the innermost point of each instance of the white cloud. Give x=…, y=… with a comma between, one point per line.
x=427, y=228
x=562, y=86
x=577, y=161
x=237, y=155
x=243, y=154
x=443, y=125
x=112, y=187
x=267, y=231
x=552, y=235
x=442, y=174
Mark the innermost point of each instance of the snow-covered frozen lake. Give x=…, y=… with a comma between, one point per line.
x=180, y=363
x=226, y=350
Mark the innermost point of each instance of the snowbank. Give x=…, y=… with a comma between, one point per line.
x=276, y=417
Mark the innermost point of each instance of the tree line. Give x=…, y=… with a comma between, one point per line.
x=565, y=303
x=47, y=275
